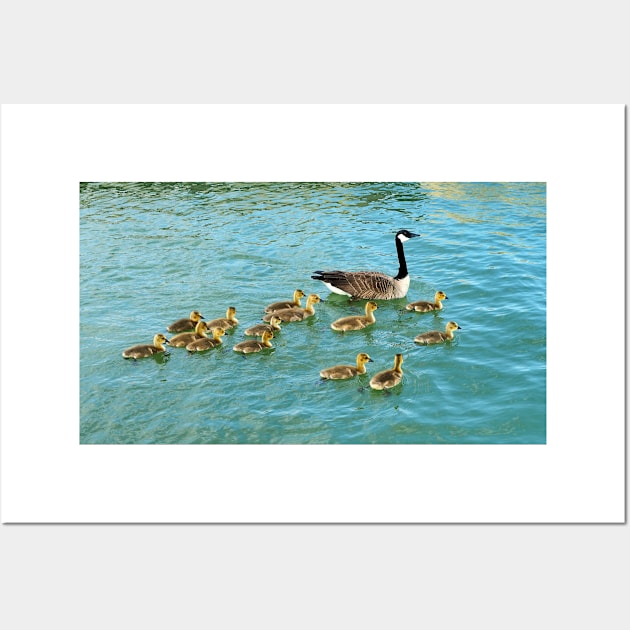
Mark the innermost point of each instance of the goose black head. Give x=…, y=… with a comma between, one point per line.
x=405, y=235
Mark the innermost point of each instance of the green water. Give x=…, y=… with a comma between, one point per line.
x=152, y=252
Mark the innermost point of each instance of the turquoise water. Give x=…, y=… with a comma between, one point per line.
x=152, y=252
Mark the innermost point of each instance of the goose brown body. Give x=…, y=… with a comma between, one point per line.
x=437, y=336
x=298, y=294
x=183, y=339
x=227, y=322
x=186, y=324
x=207, y=343
x=388, y=378
x=254, y=345
x=146, y=350
x=371, y=285
x=356, y=322
x=425, y=307
x=296, y=314
x=338, y=372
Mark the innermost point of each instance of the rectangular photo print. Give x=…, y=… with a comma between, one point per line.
x=313, y=313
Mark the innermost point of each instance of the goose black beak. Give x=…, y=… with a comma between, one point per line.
x=411, y=234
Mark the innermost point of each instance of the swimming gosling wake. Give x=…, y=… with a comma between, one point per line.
x=388, y=378
x=146, y=350
x=338, y=372
x=356, y=322
x=437, y=336
x=425, y=307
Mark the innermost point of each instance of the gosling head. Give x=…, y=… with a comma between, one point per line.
x=363, y=358
x=231, y=312
x=218, y=332
x=313, y=298
x=160, y=340
x=371, y=306
x=201, y=327
x=275, y=322
x=267, y=336
x=440, y=295
x=398, y=360
x=299, y=294
x=195, y=316
x=405, y=235
x=451, y=326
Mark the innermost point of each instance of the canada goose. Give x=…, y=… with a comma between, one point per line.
x=206, y=343
x=296, y=314
x=371, y=285
x=183, y=339
x=259, y=329
x=184, y=325
x=437, y=336
x=254, y=345
x=229, y=321
x=146, y=350
x=298, y=294
x=388, y=378
x=425, y=307
x=347, y=371
x=356, y=322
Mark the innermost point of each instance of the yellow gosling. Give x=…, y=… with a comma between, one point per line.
x=298, y=294
x=388, y=378
x=356, y=322
x=183, y=339
x=437, y=336
x=257, y=330
x=296, y=314
x=227, y=322
x=146, y=350
x=425, y=307
x=186, y=324
x=338, y=372
x=254, y=345
x=207, y=343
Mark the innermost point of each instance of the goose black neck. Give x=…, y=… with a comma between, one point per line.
x=402, y=270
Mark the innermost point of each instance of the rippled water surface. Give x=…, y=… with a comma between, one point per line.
x=152, y=252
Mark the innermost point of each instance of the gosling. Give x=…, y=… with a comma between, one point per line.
x=227, y=322
x=296, y=314
x=146, y=350
x=298, y=294
x=388, y=378
x=254, y=345
x=186, y=324
x=257, y=330
x=207, y=343
x=338, y=372
x=437, y=336
x=356, y=322
x=183, y=339
x=425, y=307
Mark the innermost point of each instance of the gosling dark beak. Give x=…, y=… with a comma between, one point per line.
x=167, y=341
x=446, y=297
x=370, y=360
x=459, y=328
